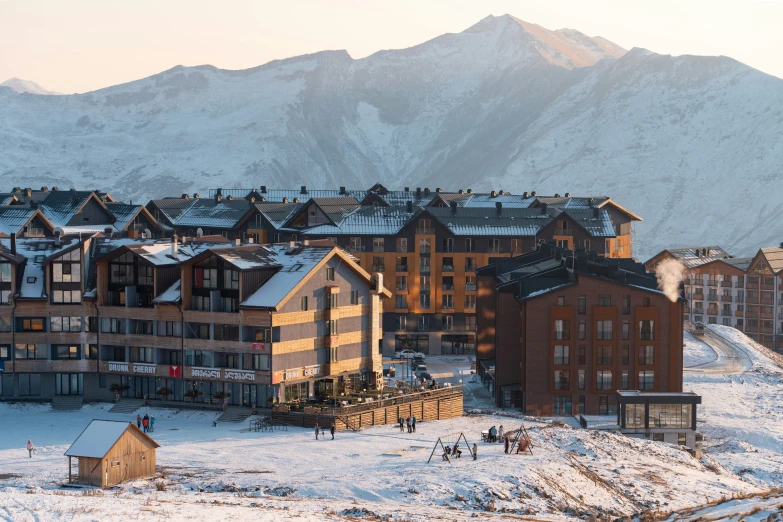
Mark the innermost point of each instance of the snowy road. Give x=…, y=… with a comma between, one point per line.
x=731, y=358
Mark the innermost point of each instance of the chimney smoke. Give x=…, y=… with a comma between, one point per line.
x=670, y=273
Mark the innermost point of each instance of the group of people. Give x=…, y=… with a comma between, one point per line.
x=147, y=422
x=409, y=422
x=321, y=431
x=456, y=452
x=495, y=434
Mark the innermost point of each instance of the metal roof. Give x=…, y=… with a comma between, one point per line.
x=774, y=257
x=14, y=218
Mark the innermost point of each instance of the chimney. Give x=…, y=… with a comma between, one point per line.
x=237, y=241
x=74, y=199
x=303, y=189
x=296, y=200
x=454, y=207
x=219, y=192
x=418, y=192
x=174, y=243
x=568, y=194
x=543, y=208
x=230, y=197
x=409, y=206
x=13, y=243
x=57, y=239
x=493, y=194
x=342, y=191
x=437, y=189
x=704, y=252
x=196, y=195
x=107, y=232
x=557, y=195
x=499, y=208
x=17, y=189
x=55, y=189
x=263, y=199
x=263, y=189
x=470, y=191
x=28, y=192
x=461, y=191
x=534, y=193
x=407, y=189
x=595, y=212
x=426, y=191
x=218, y=198
x=502, y=192
x=185, y=196
x=526, y=195
x=285, y=200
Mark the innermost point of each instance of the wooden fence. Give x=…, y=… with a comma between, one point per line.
x=445, y=403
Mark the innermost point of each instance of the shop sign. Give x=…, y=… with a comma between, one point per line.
x=290, y=374
x=118, y=367
x=312, y=371
x=261, y=347
x=175, y=371
x=148, y=369
x=205, y=373
x=234, y=375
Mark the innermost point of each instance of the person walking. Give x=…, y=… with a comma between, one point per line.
x=475, y=451
x=146, y=423
x=408, y=423
x=500, y=432
x=30, y=448
x=152, y=424
x=413, y=423
x=316, y=431
x=401, y=421
x=332, y=430
x=505, y=444
x=138, y=421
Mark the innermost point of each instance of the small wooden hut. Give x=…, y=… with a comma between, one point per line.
x=111, y=452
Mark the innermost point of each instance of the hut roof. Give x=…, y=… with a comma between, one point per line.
x=99, y=436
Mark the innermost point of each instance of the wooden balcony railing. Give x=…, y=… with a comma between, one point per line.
x=45, y=365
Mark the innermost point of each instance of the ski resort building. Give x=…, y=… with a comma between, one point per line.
x=427, y=243
x=561, y=331
x=192, y=321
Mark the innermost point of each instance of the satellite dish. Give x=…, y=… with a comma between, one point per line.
x=199, y=232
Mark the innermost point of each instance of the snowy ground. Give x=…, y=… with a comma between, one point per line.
x=696, y=352
x=223, y=474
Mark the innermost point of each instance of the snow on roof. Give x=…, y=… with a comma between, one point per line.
x=61, y=205
x=14, y=218
x=213, y=214
x=36, y=251
x=97, y=439
x=124, y=213
x=599, y=225
x=86, y=229
x=367, y=221
x=294, y=269
x=248, y=257
x=170, y=295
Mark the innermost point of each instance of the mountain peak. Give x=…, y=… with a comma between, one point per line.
x=19, y=85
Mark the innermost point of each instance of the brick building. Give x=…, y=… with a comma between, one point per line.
x=561, y=331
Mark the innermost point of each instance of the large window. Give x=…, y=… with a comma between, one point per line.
x=646, y=380
x=5, y=272
x=646, y=355
x=33, y=324
x=205, y=274
x=66, y=296
x=198, y=358
x=29, y=384
x=296, y=391
x=169, y=329
x=69, y=384
x=67, y=268
x=670, y=415
x=31, y=351
x=231, y=279
x=62, y=352
x=604, y=330
x=112, y=325
x=603, y=355
x=562, y=380
x=470, y=302
x=562, y=405
x=401, y=301
x=604, y=300
x=634, y=415
x=562, y=329
x=65, y=324
x=646, y=330
x=259, y=361
x=562, y=355
x=603, y=380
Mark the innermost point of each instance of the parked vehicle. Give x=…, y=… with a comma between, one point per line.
x=420, y=369
x=408, y=354
x=697, y=328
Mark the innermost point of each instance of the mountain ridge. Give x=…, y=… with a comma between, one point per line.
x=667, y=137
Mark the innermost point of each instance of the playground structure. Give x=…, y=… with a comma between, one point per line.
x=455, y=437
x=521, y=441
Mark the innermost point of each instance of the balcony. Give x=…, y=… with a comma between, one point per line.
x=766, y=316
x=447, y=268
x=470, y=268
x=712, y=282
x=725, y=284
x=563, y=232
x=726, y=298
x=448, y=287
x=765, y=330
x=424, y=269
x=698, y=297
x=356, y=248
x=739, y=313
x=424, y=289
x=712, y=311
x=712, y=297
x=376, y=248
x=470, y=287
x=740, y=284
x=402, y=288
x=379, y=268
x=726, y=313
x=46, y=365
x=448, y=306
x=698, y=311
x=767, y=301
x=402, y=268
x=425, y=230
x=766, y=286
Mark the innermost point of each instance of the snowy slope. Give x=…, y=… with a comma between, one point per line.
x=20, y=85
x=504, y=104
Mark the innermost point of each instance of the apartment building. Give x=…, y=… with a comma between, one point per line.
x=561, y=331
x=427, y=243
x=191, y=320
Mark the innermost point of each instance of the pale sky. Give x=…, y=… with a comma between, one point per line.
x=83, y=45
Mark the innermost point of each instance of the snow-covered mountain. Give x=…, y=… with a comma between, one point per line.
x=20, y=85
x=692, y=144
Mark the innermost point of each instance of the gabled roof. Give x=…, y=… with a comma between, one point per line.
x=377, y=221
x=172, y=208
x=480, y=200
x=100, y=436
x=692, y=257
x=14, y=218
x=278, y=213
x=595, y=222
x=774, y=258
x=469, y=221
x=60, y=206
x=125, y=214
x=334, y=208
x=226, y=213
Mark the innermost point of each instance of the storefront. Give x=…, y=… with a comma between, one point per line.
x=416, y=342
x=458, y=344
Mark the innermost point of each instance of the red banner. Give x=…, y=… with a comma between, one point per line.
x=175, y=371
x=260, y=347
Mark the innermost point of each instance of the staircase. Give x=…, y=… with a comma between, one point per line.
x=351, y=425
x=67, y=402
x=234, y=414
x=127, y=406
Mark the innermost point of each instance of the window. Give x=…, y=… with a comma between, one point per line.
x=470, y=264
x=646, y=355
x=470, y=323
x=303, y=303
x=582, y=330
x=603, y=380
x=603, y=355
x=331, y=300
x=5, y=272
x=626, y=330
x=29, y=384
x=401, y=301
x=402, y=244
x=198, y=358
x=646, y=302
x=580, y=380
x=424, y=300
x=603, y=405
x=263, y=335
x=201, y=302
x=199, y=330
x=626, y=304
x=31, y=351
x=424, y=245
x=424, y=323
x=470, y=302
x=646, y=330
x=626, y=356
x=624, y=380
x=354, y=297
x=515, y=246
x=670, y=415
x=227, y=332
x=259, y=361
x=378, y=264
x=331, y=327
x=205, y=277
x=496, y=246
x=604, y=300
x=5, y=353
x=169, y=329
x=231, y=279
x=582, y=356
x=402, y=283
x=143, y=328
x=355, y=245
x=562, y=329
x=447, y=323
x=562, y=380
x=377, y=244
x=143, y=355
x=330, y=274
x=67, y=268
x=581, y=304
x=604, y=330
x=448, y=302
x=448, y=244
x=561, y=300
x=33, y=324
x=470, y=244
x=646, y=379
x=67, y=296
x=562, y=405
x=5, y=296
x=634, y=415
x=562, y=355
x=402, y=322
x=5, y=324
